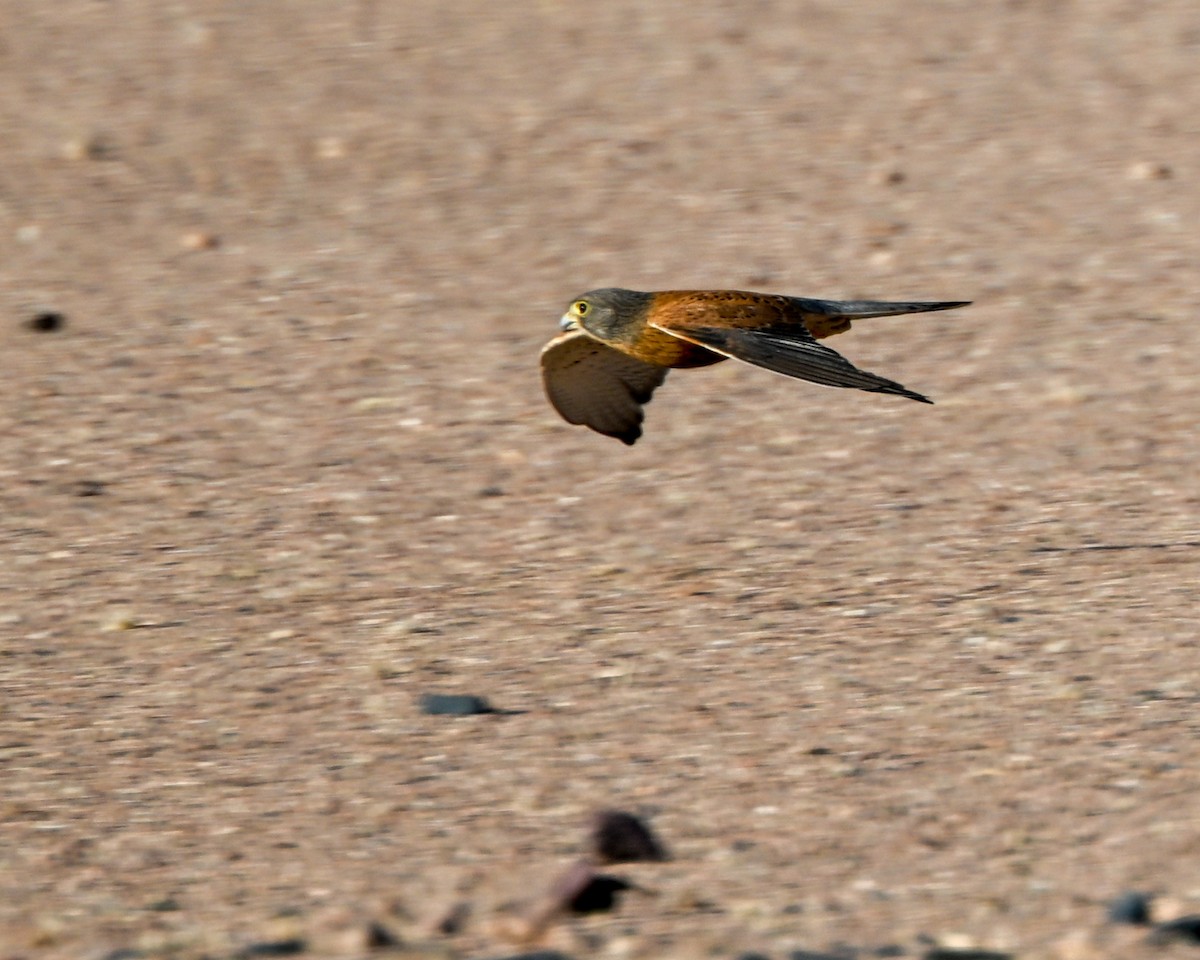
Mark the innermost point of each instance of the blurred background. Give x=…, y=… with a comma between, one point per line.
x=275, y=462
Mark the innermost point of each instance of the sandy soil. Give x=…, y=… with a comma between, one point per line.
x=881, y=675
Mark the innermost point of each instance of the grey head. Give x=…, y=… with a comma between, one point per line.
x=608, y=312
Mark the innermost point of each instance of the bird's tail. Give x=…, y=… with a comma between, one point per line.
x=825, y=318
x=863, y=309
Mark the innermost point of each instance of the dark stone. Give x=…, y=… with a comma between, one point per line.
x=620, y=837
x=46, y=321
x=949, y=953
x=273, y=948
x=454, y=920
x=1132, y=906
x=1180, y=930
x=88, y=488
x=380, y=937
x=600, y=893
x=535, y=955
x=810, y=955
x=454, y=705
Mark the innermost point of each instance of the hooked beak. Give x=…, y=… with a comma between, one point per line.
x=567, y=322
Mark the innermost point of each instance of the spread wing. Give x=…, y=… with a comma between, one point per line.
x=792, y=351
x=593, y=384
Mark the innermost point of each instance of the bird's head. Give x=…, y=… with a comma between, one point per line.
x=605, y=313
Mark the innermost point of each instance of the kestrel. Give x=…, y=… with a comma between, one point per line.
x=617, y=346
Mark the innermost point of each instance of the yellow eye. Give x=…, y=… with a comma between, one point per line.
x=582, y=307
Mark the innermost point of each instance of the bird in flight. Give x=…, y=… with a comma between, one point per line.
x=616, y=346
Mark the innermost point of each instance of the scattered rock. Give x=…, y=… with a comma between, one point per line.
x=119, y=620
x=582, y=890
x=199, y=240
x=87, y=488
x=599, y=894
x=46, y=321
x=94, y=146
x=810, y=955
x=287, y=947
x=454, y=705
x=1149, y=170
x=620, y=837
x=379, y=937
x=535, y=955
x=887, y=176
x=1130, y=907
x=454, y=920
x=1184, y=929
x=950, y=953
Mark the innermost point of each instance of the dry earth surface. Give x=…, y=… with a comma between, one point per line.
x=882, y=676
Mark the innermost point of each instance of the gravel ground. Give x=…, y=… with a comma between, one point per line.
x=883, y=677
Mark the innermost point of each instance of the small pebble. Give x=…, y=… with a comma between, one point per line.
x=199, y=240
x=1149, y=170
x=454, y=705
x=273, y=948
x=46, y=321
x=95, y=146
x=620, y=837
x=1130, y=907
x=600, y=894
x=887, y=176
x=580, y=889
x=1181, y=930
x=88, y=488
x=454, y=920
x=379, y=937
x=535, y=955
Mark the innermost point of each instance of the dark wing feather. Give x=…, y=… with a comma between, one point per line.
x=794, y=353
x=591, y=383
